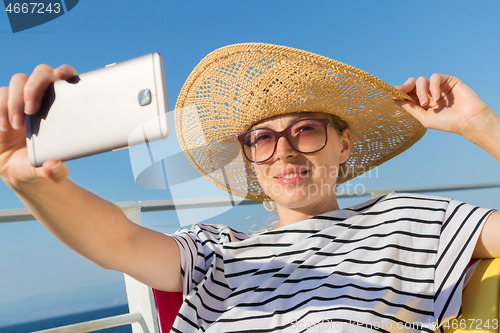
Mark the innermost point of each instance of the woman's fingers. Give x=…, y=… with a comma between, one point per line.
x=408, y=86
x=4, y=113
x=35, y=87
x=25, y=94
x=414, y=110
x=15, y=100
x=436, y=81
x=441, y=84
x=445, y=103
x=65, y=72
x=39, y=81
x=422, y=90
x=54, y=170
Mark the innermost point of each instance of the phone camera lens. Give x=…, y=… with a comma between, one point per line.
x=145, y=97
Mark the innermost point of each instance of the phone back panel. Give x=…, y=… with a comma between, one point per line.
x=100, y=111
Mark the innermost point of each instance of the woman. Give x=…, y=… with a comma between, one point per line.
x=274, y=123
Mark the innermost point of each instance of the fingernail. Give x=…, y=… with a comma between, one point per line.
x=435, y=95
x=17, y=121
x=4, y=124
x=55, y=166
x=56, y=169
x=63, y=70
x=30, y=108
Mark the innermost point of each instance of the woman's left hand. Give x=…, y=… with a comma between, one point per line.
x=445, y=103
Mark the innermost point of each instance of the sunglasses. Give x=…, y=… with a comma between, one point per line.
x=306, y=135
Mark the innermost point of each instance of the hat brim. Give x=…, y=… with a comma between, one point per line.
x=239, y=85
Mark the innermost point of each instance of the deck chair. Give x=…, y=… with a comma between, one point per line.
x=480, y=303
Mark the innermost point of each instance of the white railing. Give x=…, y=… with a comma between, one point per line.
x=143, y=315
x=22, y=214
x=99, y=324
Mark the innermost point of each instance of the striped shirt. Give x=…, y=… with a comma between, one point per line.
x=392, y=264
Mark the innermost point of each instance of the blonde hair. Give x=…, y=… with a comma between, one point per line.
x=340, y=126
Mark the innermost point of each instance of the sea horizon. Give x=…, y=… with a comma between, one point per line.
x=68, y=319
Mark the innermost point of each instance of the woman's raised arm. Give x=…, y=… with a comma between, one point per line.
x=88, y=224
x=445, y=103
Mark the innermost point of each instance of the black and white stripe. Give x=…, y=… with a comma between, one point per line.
x=386, y=265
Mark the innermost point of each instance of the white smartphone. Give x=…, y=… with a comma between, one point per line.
x=113, y=107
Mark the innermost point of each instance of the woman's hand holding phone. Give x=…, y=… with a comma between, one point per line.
x=24, y=96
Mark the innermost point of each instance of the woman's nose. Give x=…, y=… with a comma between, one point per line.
x=284, y=149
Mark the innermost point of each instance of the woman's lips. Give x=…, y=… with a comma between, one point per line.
x=291, y=177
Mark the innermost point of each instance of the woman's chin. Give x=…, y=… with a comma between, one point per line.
x=293, y=201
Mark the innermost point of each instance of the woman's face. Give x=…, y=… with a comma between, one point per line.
x=302, y=181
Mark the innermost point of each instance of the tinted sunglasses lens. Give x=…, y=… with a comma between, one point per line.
x=308, y=135
x=259, y=145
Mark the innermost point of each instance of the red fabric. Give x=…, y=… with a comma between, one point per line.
x=472, y=262
x=168, y=304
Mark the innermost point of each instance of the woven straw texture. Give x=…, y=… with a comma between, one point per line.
x=239, y=85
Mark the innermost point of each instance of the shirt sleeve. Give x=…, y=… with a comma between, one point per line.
x=199, y=247
x=191, y=253
x=461, y=228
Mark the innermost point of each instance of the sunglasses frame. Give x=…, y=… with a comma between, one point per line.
x=286, y=134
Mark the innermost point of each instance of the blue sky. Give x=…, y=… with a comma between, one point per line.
x=391, y=39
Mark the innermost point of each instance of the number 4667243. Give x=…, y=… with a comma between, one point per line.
x=33, y=8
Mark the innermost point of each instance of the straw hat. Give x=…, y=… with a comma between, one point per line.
x=238, y=85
